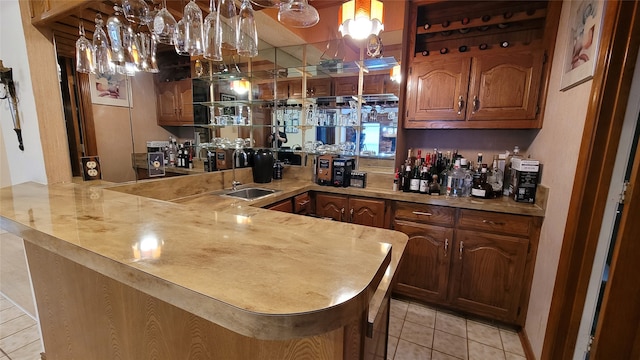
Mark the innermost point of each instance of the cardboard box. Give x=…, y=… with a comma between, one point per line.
x=524, y=183
x=525, y=164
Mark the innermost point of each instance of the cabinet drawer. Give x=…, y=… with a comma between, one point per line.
x=423, y=213
x=494, y=222
x=302, y=204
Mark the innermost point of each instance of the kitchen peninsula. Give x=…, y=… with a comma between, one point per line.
x=122, y=276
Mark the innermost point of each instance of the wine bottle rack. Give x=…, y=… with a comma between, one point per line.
x=475, y=23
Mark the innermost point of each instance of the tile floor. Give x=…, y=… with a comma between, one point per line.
x=19, y=333
x=417, y=331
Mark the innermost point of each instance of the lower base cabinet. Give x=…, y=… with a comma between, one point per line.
x=357, y=210
x=480, y=264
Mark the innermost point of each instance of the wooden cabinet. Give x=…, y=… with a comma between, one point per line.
x=284, y=206
x=346, y=86
x=175, y=102
x=289, y=89
x=489, y=91
x=373, y=84
x=474, y=261
x=357, y=210
x=302, y=204
x=319, y=87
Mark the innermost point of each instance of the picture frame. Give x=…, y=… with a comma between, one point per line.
x=228, y=110
x=582, y=43
x=112, y=90
x=155, y=164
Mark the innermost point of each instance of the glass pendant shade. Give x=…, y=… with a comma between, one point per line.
x=298, y=14
x=85, y=56
x=360, y=18
x=247, y=40
x=136, y=11
x=104, y=65
x=192, y=17
x=212, y=35
x=228, y=23
x=114, y=30
x=164, y=25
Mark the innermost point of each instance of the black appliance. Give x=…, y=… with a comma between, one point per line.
x=262, y=166
x=342, y=171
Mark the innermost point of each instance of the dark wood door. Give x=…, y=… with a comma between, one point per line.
x=487, y=274
x=424, y=270
x=332, y=206
x=437, y=90
x=368, y=212
x=505, y=86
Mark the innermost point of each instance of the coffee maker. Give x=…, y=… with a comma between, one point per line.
x=325, y=169
x=342, y=171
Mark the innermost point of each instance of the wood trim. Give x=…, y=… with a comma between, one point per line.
x=86, y=115
x=71, y=117
x=46, y=91
x=526, y=345
x=605, y=115
x=408, y=44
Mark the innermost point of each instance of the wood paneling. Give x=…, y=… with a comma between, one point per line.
x=85, y=315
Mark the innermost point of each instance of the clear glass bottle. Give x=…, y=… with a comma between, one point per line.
x=495, y=178
x=455, y=182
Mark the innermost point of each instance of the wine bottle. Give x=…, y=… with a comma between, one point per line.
x=507, y=15
x=446, y=23
x=483, y=46
x=427, y=26
x=486, y=18
x=425, y=53
x=444, y=50
x=504, y=44
x=396, y=180
x=425, y=177
x=465, y=20
x=463, y=48
x=414, y=185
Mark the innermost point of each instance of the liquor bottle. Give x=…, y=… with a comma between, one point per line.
x=479, y=164
x=172, y=152
x=455, y=181
x=396, y=180
x=495, y=178
x=468, y=177
x=414, y=185
x=506, y=183
x=434, y=186
x=190, y=159
x=481, y=188
x=425, y=177
x=483, y=46
x=406, y=182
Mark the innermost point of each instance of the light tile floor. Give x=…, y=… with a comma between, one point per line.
x=420, y=332
x=19, y=333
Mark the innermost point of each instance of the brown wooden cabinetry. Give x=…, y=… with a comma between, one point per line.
x=284, y=206
x=373, y=84
x=346, y=86
x=357, y=210
x=491, y=91
x=289, y=89
x=319, y=87
x=175, y=102
x=475, y=261
x=302, y=204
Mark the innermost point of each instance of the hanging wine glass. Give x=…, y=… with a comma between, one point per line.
x=192, y=15
x=153, y=48
x=85, y=56
x=228, y=23
x=104, y=65
x=114, y=30
x=179, y=39
x=131, y=54
x=164, y=25
x=212, y=35
x=144, y=41
x=247, y=35
x=298, y=14
x=136, y=11
x=270, y=3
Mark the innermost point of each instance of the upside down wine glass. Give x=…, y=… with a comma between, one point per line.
x=192, y=16
x=104, y=65
x=85, y=56
x=164, y=25
x=228, y=23
x=212, y=34
x=247, y=35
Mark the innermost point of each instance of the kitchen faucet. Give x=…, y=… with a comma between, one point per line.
x=235, y=183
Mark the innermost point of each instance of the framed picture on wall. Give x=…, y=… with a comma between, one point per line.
x=113, y=90
x=228, y=110
x=583, y=42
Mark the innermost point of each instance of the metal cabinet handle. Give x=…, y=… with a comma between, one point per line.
x=476, y=104
x=303, y=203
x=491, y=222
x=460, y=104
x=342, y=214
x=422, y=213
x=446, y=246
x=351, y=218
x=461, y=247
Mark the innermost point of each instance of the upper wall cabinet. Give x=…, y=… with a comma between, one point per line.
x=479, y=65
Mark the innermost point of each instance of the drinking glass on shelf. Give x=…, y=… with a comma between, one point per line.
x=228, y=23
x=192, y=16
x=298, y=13
x=212, y=34
x=247, y=35
x=136, y=11
x=179, y=39
x=164, y=25
x=85, y=56
x=104, y=65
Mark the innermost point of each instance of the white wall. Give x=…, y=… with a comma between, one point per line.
x=28, y=165
x=556, y=146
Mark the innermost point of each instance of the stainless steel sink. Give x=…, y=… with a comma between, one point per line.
x=250, y=193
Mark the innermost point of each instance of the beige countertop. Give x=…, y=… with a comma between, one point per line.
x=257, y=272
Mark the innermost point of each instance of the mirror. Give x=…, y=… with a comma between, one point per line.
x=225, y=107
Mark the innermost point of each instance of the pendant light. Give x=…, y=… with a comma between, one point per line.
x=361, y=18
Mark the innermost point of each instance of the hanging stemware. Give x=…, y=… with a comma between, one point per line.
x=104, y=65
x=136, y=11
x=270, y=3
x=228, y=23
x=131, y=51
x=212, y=34
x=114, y=30
x=153, y=48
x=164, y=25
x=247, y=35
x=179, y=40
x=85, y=55
x=192, y=15
x=299, y=14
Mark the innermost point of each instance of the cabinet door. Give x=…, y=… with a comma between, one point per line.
x=184, y=91
x=373, y=84
x=332, y=206
x=505, y=86
x=284, y=206
x=295, y=89
x=265, y=91
x=424, y=270
x=487, y=274
x=368, y=212
x=282, y=88
x=167, y=103
x=302, y=204
x=346, y=86
x=318, y=87
x=437, y=90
